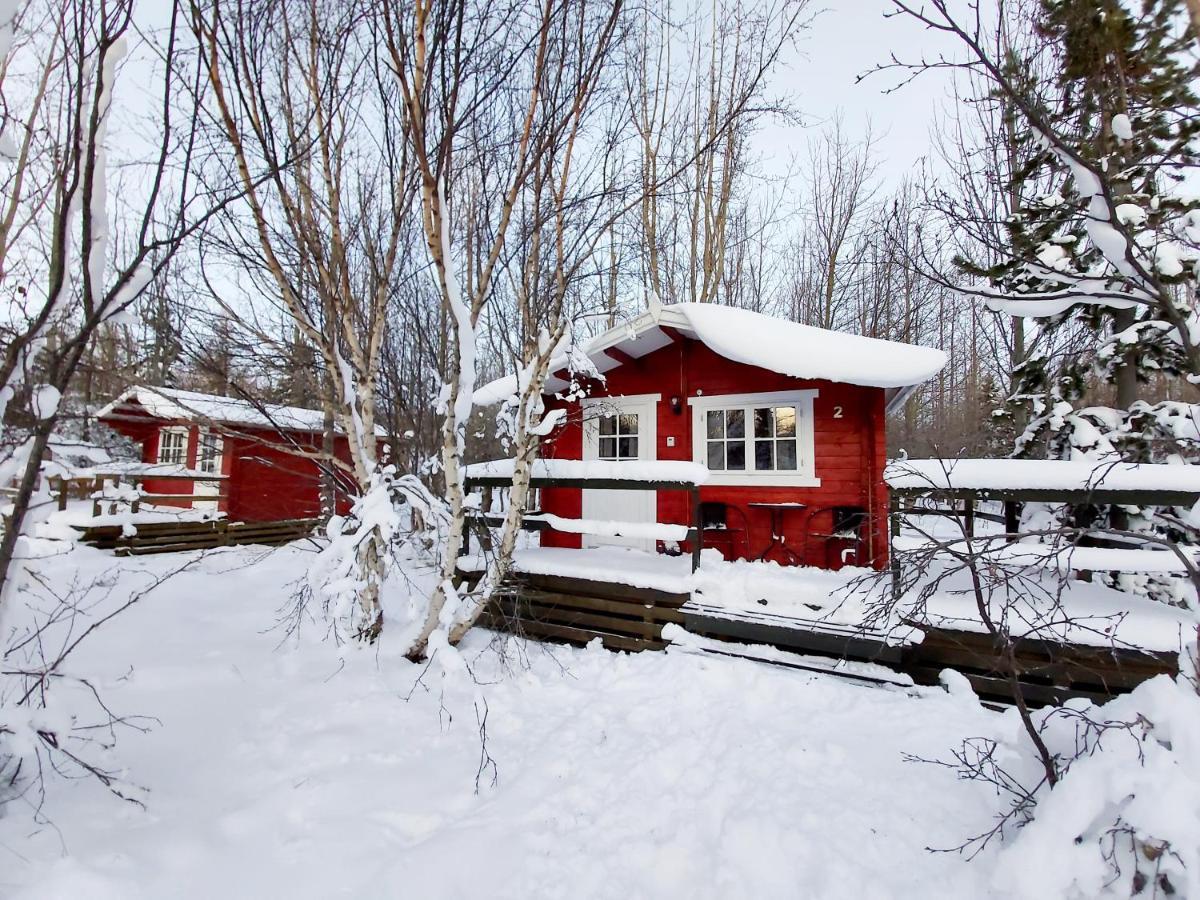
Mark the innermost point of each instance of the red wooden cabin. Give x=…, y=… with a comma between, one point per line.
x=789, y=419
x=249, y=459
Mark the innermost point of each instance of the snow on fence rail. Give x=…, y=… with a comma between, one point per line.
x=1067, y=557
x=1065, y=481
x=107, y=487
x=577, y=473
x=650, y=475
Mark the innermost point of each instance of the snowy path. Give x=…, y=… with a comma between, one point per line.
x=658, y=775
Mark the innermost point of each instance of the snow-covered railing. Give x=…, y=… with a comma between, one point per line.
x=1014, y=482
x=1067, y=557
x=632, y=475
x=650, y=475
x=1050, y=481
x=107, y=486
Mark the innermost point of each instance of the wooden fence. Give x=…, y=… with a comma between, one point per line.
x=170, y=537
x=577, y=611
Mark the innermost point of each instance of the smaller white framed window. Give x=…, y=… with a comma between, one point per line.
x=208, y=452
x=172, y=445
x=756, y=438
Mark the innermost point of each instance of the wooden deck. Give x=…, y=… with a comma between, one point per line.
x=623, y=617
x=169, y=537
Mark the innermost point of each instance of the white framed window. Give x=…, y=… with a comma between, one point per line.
x=618, y=436
x=172, y=445
x=756, y=438
x=208, y=452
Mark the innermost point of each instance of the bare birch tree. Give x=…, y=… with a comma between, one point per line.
x=489, y=122
x=696, y=93
x=315, y=131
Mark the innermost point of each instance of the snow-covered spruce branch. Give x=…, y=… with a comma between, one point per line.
x=1136, y=261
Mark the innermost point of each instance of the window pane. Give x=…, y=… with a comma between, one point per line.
x=716, y=455
x=608, y=425
x=737, y=456
x=608, y=448
x=629, y=423
x=716, y=424
x=762, y=423
x=735, y=423
x=629, y=447
x=785, y=452
x=785, y=421
x=764, y=455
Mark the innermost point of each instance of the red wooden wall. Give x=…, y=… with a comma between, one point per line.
x=264, y=481
x=849, y=453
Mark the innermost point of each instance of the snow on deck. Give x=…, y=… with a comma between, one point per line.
x=1089, y=614
x=1039, y=474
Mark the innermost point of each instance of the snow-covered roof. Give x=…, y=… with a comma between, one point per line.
x=1040, y=474
x=170, y=403
x=778, y=345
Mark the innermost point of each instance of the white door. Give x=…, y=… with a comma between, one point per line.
x=620, y=429
x=210, y=451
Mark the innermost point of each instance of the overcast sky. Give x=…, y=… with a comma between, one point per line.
x=845, y=40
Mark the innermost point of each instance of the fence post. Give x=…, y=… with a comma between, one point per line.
x=894, y=532
x=1012, y=520
x=969, y=516
x=694, y=494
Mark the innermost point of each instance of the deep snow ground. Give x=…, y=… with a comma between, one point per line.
x=281, y=772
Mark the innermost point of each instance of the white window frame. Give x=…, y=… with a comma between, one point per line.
x=218, y=445
x=804, y=474
x=162, y=433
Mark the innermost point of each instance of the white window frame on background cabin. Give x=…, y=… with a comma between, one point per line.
x=162, y=443
x=210, y=439
x=804, y=475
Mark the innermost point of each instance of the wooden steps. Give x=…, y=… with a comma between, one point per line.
x=627, y=618
x=1049, y=672
x=788, y=633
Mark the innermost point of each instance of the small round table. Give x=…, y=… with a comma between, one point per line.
x=778, y=539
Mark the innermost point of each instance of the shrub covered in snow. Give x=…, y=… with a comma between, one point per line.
x=1123, y=818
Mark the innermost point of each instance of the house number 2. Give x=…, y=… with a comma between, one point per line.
x=837, y=412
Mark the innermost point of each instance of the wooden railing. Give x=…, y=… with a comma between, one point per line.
x=95, y=488
x=536, y=522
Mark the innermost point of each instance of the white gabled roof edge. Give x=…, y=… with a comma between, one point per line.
x=778, y=345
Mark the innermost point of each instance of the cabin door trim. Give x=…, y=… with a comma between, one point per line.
x=615, y=445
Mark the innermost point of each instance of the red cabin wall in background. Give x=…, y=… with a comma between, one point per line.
x=849, y=451
x=264, y=481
